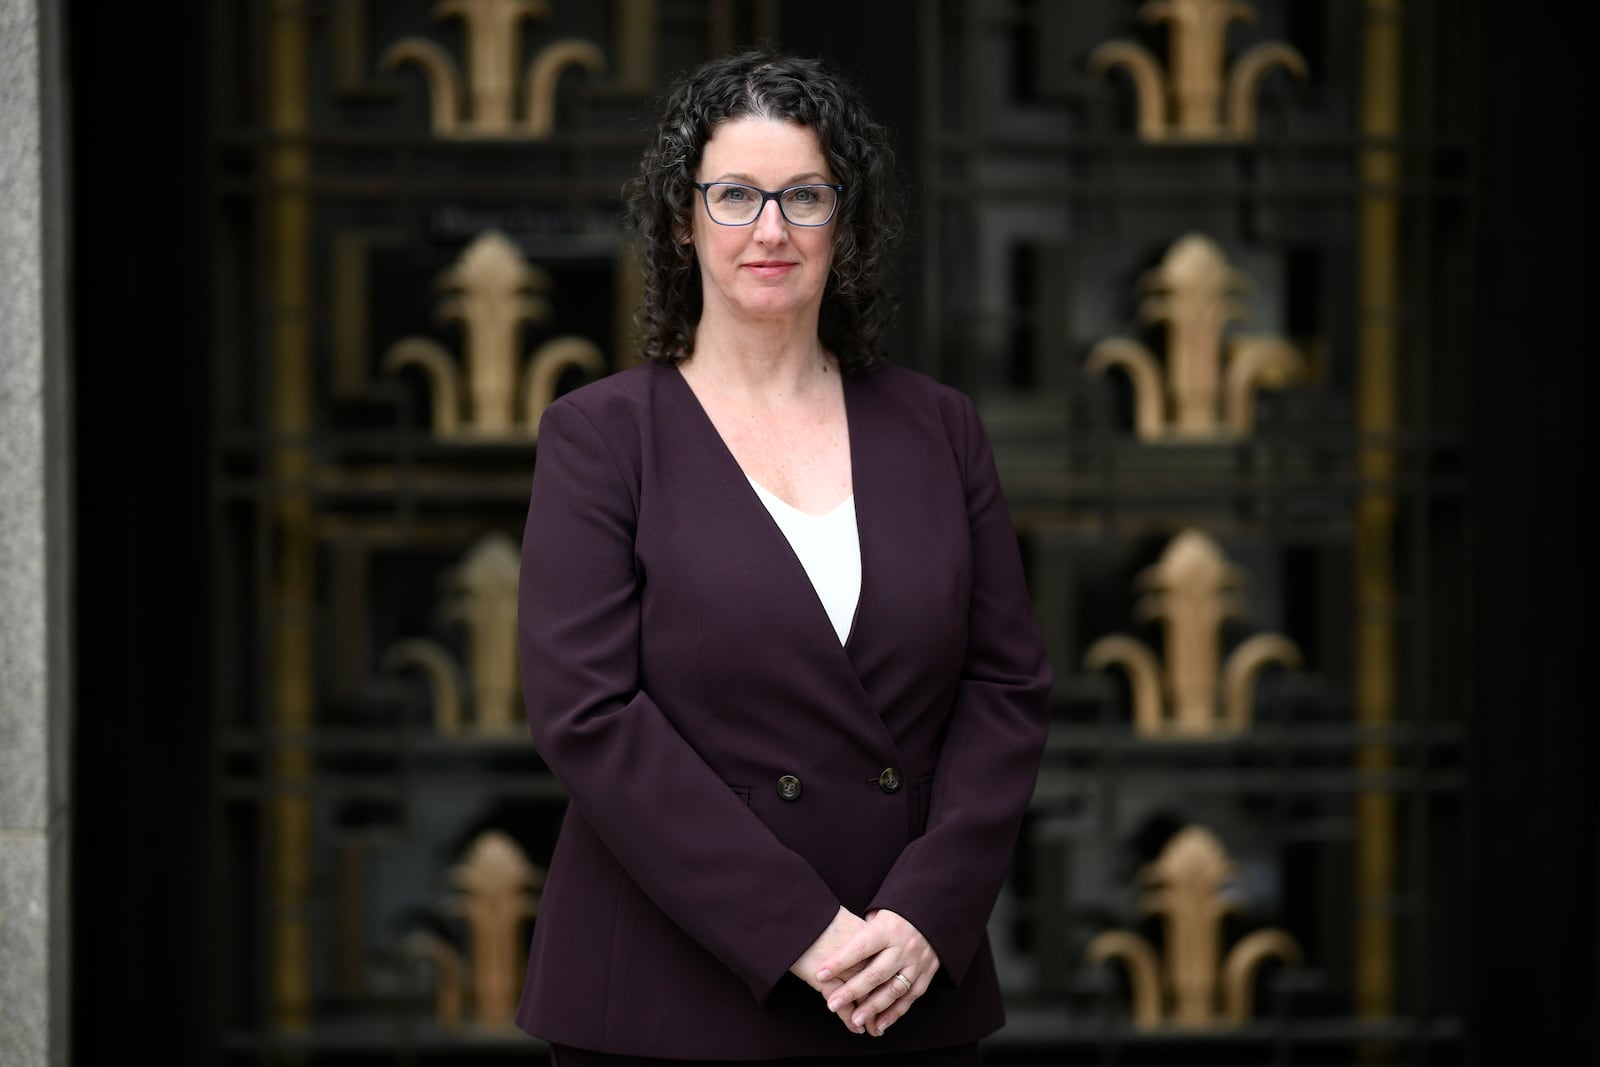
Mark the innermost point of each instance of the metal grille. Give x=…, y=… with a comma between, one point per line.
x=343, y=512
x=1341, y=805
x=364, y=748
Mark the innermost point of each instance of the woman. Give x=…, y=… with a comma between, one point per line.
x=775, y=638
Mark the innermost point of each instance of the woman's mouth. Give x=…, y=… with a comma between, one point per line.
x=769, y=268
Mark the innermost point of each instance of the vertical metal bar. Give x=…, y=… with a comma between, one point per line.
x=258, y=597
x=636, y=46
x=347, y=32
x=1421, y=344
x=1377, y=420
x=291, y=661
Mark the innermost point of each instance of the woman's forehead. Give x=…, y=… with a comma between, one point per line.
x=751, y=144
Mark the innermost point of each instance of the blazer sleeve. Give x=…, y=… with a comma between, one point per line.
x=673, y=825
x=946, y=881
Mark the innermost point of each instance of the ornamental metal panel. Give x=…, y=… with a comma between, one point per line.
x=1196, y=261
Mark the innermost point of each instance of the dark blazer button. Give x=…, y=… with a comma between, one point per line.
x=889, y=780
x=789, y=787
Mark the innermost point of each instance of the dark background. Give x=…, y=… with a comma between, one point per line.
x=140, y=306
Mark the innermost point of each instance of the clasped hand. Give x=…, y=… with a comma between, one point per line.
x=869, y=970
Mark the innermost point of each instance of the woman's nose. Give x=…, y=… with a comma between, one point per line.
x=770, y=224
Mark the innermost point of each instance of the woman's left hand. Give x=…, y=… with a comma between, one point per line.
x=897, y=963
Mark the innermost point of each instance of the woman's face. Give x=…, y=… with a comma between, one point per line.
x=770, y=270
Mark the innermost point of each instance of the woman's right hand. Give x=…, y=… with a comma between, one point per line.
x=838, y=933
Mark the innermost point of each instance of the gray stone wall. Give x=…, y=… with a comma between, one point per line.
x=34, y=496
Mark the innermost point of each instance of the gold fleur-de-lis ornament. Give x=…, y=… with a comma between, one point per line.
x=1207, y=392
x=493, y=292
x=1194, y=694
x=1196, y=98
x=485, y=103
x=1194, y=985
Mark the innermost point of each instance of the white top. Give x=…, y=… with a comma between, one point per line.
x=829, y=550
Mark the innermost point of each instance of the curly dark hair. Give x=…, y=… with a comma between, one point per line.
x=856, y=302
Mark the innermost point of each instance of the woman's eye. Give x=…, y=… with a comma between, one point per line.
x=803, y=196
x=734, y=194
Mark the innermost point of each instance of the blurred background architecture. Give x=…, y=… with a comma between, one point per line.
x=1273, y=312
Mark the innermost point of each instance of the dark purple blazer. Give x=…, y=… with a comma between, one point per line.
x=677, y=663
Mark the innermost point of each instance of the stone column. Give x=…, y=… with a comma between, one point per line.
x=35, y=551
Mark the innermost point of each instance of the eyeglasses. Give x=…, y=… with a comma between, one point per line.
x=733, y=204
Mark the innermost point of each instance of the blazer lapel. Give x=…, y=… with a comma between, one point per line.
x=756, y=526
x=903, y=511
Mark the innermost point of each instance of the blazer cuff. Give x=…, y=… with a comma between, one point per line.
x=789, y=948
x=955, y=949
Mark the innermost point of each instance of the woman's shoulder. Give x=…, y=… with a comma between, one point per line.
x=620, y=405
x=917, y=396
x=896, y=380
x=614, y=395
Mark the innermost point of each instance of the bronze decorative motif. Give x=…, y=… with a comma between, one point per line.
x=1189, y=103
x=1194, y=986
x=498, y=895
x=494, y=293
x=484, y=105
x=1192, y=589
x=484, y=598
x=1209, y=389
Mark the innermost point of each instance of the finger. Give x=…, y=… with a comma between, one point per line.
x=863, y=944
x=845, y=1014
x=838, y=932
x=828, y=985
x=887, y=1018
x=847, y=1008
x=845, y=1011
x=876, y=972
x=902, y=1004
x=827, y=989
x=882, y=999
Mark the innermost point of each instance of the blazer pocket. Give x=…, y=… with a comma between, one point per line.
x=742, y=792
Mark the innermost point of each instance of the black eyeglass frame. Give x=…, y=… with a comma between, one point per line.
x=766, y=195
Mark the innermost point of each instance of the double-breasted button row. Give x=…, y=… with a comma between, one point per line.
x=890, y=780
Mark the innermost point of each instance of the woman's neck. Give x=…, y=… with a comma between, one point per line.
x=759, y=364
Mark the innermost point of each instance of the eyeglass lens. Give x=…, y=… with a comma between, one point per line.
x=733, y=204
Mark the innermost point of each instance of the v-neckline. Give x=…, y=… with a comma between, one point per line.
x=770, y=498
x=753, y=500
x=850, y=442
